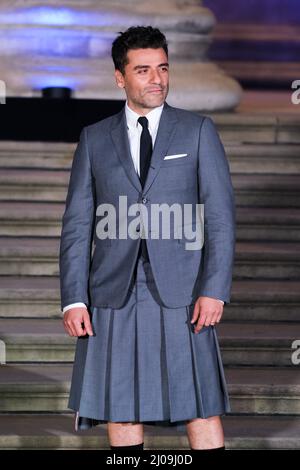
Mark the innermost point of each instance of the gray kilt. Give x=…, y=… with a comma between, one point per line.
x=145, y=363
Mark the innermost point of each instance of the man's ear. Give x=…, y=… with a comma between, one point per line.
x=119, y=79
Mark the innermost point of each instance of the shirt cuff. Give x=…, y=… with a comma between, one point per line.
x=76, y=304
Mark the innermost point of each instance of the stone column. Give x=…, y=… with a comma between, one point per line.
x=67, y=43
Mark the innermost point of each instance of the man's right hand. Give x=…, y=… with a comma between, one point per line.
x=73, y=319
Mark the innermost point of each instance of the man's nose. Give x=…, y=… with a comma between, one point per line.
x=155, y=77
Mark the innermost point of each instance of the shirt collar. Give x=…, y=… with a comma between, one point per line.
x=153, y=117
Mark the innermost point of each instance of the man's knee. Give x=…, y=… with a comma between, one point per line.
x=204, y=420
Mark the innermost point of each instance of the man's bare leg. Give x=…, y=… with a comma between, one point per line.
x=205, y=433
x=125, y=434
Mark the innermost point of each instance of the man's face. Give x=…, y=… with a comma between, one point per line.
x=146, y=79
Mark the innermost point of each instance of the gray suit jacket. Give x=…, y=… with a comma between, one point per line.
x=98, y=272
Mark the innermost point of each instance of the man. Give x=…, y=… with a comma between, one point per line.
x=144, y=309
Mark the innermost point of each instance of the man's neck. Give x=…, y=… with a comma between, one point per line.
x=141, y=111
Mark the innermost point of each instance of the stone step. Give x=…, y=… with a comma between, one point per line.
x=264, y=310
x=272, y=190
x=36, y=340
x=29, y=296
x=252, y=157
x=237, y=128
x=264, y=390
x=275, y=159
x=258, y=128
x=253, y=223
x=39, y=155
x=268, y=224
x=56, y=431
x=33, y=185
x=257, y=344
x=275, y=300
x=267, y=260
x=269, y=190
x=45, y=387
x=29, y=256
x=30, y=219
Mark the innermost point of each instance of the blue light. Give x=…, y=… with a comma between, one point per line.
x=43, y=15
x=53, y=42
x=57, y=16
x=52, y=33
x=52, y=16
x=45, y=80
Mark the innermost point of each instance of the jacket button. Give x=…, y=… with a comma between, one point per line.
x=144, y=200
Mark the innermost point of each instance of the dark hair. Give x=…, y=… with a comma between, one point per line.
x=136, y=37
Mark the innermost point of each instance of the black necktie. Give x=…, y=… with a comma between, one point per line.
x=145, y=158
x=145, y=149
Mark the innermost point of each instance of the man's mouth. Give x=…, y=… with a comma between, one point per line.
x=156, y=90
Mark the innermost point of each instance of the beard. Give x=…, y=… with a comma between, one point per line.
x=150, y=100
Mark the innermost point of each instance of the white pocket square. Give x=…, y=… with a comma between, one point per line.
x=178, y=155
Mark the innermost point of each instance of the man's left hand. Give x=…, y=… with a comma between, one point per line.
x=207, y=311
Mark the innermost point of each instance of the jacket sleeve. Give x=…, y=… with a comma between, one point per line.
x=77, y=228
x=217, y=195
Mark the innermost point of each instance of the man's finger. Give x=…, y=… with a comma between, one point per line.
x=68, y=331
x=78, y=327
x=69, y=328
x=213, y=321
x=87, y=324
x=195, y=313
x=210, y=318
x=200, y=323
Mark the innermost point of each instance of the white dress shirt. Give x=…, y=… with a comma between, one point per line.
x=134, y=129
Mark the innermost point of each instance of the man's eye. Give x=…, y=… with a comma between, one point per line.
x=142, y=71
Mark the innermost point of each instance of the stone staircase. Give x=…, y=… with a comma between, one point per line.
x=258, y=328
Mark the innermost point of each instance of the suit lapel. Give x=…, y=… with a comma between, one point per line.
x=120, y=139
x=166, y=131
